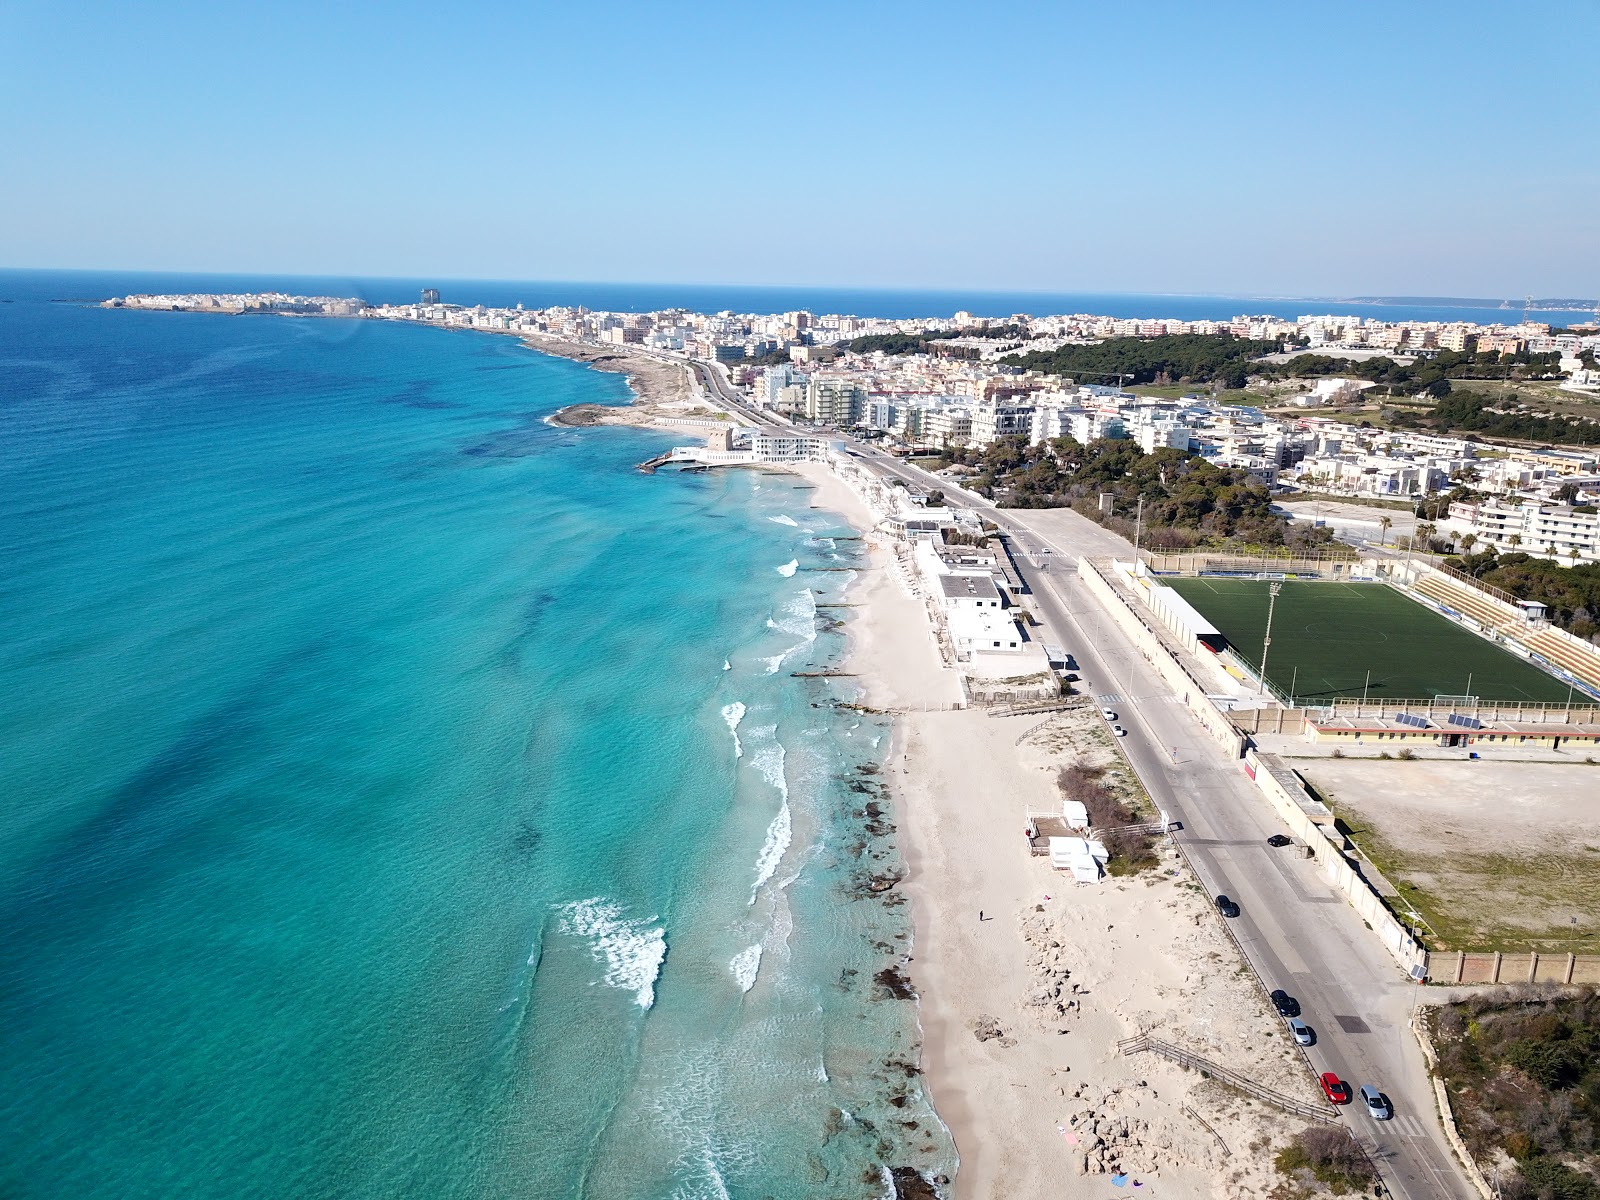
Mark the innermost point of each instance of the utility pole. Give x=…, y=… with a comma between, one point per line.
x=1266, y=641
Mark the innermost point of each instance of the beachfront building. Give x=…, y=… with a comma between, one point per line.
x=776, y=447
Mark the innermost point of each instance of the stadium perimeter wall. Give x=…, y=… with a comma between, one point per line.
x=1173, y=673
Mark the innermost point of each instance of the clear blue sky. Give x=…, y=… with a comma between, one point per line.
x=1364, y=148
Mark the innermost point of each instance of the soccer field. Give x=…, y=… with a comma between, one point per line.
x=1327, y=636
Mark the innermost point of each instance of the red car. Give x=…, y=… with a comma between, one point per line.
x=1335, y=1089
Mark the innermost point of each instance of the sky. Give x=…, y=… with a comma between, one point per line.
x=1437, y=149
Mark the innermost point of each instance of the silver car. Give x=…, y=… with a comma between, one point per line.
x=1378, y=1106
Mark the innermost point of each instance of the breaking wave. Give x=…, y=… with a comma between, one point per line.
x=733, y=714
x=746, y=965
x=631, y=949
x=769, y=763
x=785, y=520
x=789, y=568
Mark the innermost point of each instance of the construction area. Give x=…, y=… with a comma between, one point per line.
x=1489, y=855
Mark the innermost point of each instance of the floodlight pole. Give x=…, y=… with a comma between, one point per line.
x=1266, y=641
x=1138, y=527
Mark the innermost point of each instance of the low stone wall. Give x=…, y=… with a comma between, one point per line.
x=1269, y=720
x=1489, y=966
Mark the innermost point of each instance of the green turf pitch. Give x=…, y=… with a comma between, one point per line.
x=1327, y=636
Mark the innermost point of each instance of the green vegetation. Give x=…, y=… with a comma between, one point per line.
x=1572, y=594
x=1196, y=357
x=1326, y=637
x=1524, y=1078
x=927, y=342
x=1499, y=416
x=1330, y=1155
x=1430, y=376
x=1188, y=501
x=1109, y=816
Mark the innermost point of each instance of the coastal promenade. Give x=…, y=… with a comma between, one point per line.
x=1296, y=931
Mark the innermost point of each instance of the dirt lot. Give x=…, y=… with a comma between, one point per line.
x=1494, y=855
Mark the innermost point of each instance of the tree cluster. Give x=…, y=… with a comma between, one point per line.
x=1179, y=358
x=927, y=341
x=1425, y=376
x=1187, y=501
x=1504, y=416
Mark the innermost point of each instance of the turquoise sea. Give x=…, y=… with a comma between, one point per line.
x=401, y=796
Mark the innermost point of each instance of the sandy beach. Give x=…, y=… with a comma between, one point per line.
x=1022, y=1009
x=665, y=391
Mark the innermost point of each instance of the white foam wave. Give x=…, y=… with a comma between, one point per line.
x=746, y=965
x=775, y=662
x=768, y=760
x=631, y=949
x=789, y=568
x=782, y=519
x=773, y=849
x=726, y=665
x=733, y=714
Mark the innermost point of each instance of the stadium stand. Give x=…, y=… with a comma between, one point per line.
x=1566, y=654
x=1490, y=613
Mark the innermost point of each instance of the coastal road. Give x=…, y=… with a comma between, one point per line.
x=1297, y=931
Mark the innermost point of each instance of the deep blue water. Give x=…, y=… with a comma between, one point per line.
x=865, y=302
x=373, y=819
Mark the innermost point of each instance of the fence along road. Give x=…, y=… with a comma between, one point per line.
x=1295, y=930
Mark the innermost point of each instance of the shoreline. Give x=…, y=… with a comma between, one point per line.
x=1020, y=1012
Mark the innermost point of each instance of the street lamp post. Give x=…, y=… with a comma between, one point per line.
x=1266, y=640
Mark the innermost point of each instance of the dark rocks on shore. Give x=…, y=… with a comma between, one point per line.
x=578, y=416
x=893, y=982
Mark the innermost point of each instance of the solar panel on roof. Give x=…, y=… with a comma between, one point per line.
x=1464, y=722
x=1410, y=720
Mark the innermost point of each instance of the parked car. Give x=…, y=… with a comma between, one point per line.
x=1227, y=907
x=1119, y=731
x=1286, y=1004
x=1303, y=1035
x=1378, y=1106
x=1109, y=714
x=1335, y=1089
x=1279, y=840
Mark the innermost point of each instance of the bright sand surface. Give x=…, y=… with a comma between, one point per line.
x=1047, y=1106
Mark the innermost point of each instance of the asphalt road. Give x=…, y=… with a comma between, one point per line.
x=1297, y=931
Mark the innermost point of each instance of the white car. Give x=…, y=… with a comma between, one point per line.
x=1119, y=731
x=1108, y=714
x=1302, y=1032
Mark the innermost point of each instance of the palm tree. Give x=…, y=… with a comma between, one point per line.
x=1468, y=542
x=1385, y=524
x=1515, y=540
x=1425, y=532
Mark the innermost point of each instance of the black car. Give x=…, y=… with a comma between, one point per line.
x=1286, y=1004
x=1279, y=839
x=1227, y=907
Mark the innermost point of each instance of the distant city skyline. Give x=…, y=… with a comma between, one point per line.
x=1263, y=151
